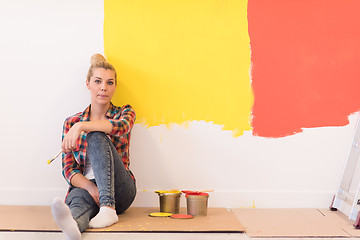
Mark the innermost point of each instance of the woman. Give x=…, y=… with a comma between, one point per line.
x=95, y=163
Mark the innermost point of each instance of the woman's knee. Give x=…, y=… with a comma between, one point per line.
x=95, y=137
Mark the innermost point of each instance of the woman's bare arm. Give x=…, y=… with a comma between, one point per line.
x=70, y=138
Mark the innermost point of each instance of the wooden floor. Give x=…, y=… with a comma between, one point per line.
x=269, y=224
x=148, y=236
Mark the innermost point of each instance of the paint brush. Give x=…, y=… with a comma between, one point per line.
x=50, y=160
x=207, y=190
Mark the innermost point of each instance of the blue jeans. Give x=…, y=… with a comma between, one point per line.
x=116, y=186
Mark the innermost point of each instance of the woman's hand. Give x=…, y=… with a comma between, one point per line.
x=94, y=192
x=71, y=137
x=78, y=180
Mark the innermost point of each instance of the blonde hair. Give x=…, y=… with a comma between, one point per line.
x=99, y=61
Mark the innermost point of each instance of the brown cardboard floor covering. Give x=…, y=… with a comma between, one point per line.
x=341, y=220
x=38, y=218
x=295, y=223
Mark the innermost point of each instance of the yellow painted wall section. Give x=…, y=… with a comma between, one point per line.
x=183, y=60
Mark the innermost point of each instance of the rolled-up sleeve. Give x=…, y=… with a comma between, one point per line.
x=69, y=166
x=123, y=121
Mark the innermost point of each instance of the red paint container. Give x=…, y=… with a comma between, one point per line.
x=197, y=203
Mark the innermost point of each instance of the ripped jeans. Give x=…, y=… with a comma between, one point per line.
x=116, y=186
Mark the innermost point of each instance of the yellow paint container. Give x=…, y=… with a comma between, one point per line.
x=169, y=201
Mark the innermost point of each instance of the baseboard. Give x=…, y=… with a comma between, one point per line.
x=254, y=199
x=149, y=198
x=30, y=197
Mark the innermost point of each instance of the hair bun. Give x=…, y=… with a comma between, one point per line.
x=97, y=57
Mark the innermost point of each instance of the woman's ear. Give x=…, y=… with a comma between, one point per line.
x=87, y=84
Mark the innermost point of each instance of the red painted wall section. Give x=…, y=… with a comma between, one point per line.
x=305, y=64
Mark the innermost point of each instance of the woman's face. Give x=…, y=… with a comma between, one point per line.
x=101, y=85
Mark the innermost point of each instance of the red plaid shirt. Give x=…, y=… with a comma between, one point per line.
x=122, y=119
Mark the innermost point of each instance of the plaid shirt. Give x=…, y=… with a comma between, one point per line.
x=122, y=120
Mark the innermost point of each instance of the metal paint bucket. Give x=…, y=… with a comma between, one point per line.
x=169, y=201
x=197, y=204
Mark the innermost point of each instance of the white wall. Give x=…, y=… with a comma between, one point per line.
x=45, y=51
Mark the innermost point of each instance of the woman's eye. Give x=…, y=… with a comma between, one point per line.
x=97, y=81
x=110, y=83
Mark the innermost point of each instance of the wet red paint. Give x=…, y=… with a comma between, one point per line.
x=305, y=64
x=182, y=216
